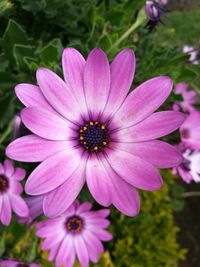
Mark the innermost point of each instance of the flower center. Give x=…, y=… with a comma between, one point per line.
x=94, y=136
x=22, y=265
x=74, y=224
x=185, y=165
x=3, y=184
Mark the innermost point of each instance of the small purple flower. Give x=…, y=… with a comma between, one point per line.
x=190, y=131
x=16, y=126
x=189, y=169
x=77, y=232
x=193, y=54
x=89, y=129
x=35, y=205
x=16, y=263
x=163, y=2
x=10, y=190
x=154, y=11
x=189, y=98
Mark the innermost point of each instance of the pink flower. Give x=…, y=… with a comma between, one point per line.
x=77, y=232
x=89, y=129
x=154, y=11
x=16, y=263
x=10, y=190
x=190, y=131
x=193, y=54
x=189, y=169
x=35, y=205
x=164, y=2
x=189, y=97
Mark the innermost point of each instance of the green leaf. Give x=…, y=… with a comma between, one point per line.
x=14, y=34
x=2, y=244
x=21, y=52
x=178, y=205
x=51, y=52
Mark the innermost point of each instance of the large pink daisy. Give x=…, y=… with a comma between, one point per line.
x=87, y=128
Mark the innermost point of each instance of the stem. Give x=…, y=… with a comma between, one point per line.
x=191, y=194
x=7, y=132
x=138, y=22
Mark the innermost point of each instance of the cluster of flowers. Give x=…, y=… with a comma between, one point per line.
x=87, y=129
x=189, y=146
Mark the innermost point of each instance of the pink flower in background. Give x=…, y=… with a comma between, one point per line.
x=77, y=232
x=189, y=98
x=189, y=169
x=16, y=263
x=16, y=126
x=190, y=131
x=154, y=11
x=35, y=205
x=193, y=54
x=89, y=129
x=10, y=190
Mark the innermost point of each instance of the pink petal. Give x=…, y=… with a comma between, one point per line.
x=19, y=206
x=73, y=67
x=66, y=253
x=31, y=96
x=93, y=244
x=1, y=169
x=143, y=101
x=8, y=167
x=32, y=148
x=81, y=251
x=46, y=124
x=58, y=200
x=158, y=153
x=124, y=196
x=122, y=73
x=97, y=180
x=1, y=203
x=96, y=81
x=102, y=234
x=19, y=174
x=155, y=126
x=135, y=171
x=53, y=172
x=6, y=211
x=16, y=187
x=86, y=206
x=58, y=94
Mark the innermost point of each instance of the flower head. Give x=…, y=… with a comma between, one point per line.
x=189, y=169
x=77, y=232
x=89, y=129
x=190, y=130
x=193, y=54
x=154, y=11
x=16, y=263
x=189, y=98
x=35, y=205
x=10, y=190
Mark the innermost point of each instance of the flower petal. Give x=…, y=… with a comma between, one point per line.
x=158, y=153
x=86, y=206
x=135, y=171
x=58, y=94
x=73, y=67
x=31, y=96
x=53, y=172
x=143, y=101
x=58, y=200
x=81, y=251
x=97, y=181
x=155, y=126
x=8, y=167
x=46, y=124
x=19, y=174
x=19, y=206
x=6, y=211
x=96, y=81
x=32, y=148
x=122, y=73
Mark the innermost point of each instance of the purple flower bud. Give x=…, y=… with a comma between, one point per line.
x=154, y=11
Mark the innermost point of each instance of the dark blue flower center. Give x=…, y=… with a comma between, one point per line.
x=74, y=224
x=94, y=136
x=3, y=183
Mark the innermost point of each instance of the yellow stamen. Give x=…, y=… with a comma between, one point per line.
x=91, y=123
x=84, y=128
x=95, y=148
x=103, y=127
x=81, y=138
x=81, y=131
x=104, y=143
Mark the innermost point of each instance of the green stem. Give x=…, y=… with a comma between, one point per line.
x=7, y=132
x=191, y=194
x=141, y=18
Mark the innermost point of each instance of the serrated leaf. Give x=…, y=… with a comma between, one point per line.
x=51, y=52
x=14, y=34
x=21, y=52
